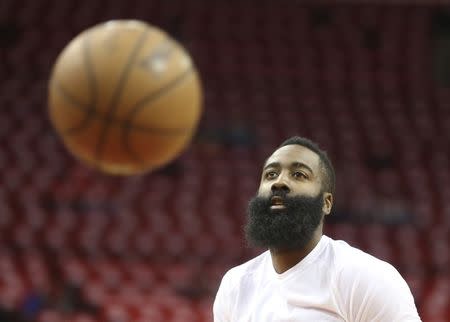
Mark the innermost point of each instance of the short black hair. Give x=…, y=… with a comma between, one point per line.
x=329, y=182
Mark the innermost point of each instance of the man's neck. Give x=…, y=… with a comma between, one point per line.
x=282, y=260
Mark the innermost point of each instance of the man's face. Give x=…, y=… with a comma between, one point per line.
x=292, y=166
x=290, y=203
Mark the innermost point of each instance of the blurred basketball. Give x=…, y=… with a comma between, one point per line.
x=125, y=97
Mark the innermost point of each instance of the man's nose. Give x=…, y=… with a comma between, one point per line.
x=280, y=186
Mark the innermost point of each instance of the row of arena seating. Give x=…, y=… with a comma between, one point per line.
x=138, y=288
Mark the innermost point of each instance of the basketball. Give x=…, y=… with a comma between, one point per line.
x=124, y=97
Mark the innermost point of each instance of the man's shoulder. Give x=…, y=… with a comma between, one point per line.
x=252, y=266
x=351, y=262
x=347, y=256
x=362, y=282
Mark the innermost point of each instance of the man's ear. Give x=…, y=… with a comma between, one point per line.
x=327, y=203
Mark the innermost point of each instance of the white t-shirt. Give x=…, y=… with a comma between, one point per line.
x=334, y=282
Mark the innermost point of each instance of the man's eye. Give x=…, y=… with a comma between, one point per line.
x=271, y=175
x=300, y=175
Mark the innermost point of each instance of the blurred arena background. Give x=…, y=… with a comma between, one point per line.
x=369, y=82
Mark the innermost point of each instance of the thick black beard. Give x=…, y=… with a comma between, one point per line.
x=286, y=229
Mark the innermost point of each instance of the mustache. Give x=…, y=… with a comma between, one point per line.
x=287, y=200
x=278, y=193
x=292, y=203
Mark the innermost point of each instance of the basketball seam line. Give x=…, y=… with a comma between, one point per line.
x=93, y=114
x=126, y=127
x=143, y=103
x=92, y=85
x=136, y=127
x=117, y=93
x=70, y=98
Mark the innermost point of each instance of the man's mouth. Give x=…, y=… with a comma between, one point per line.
x=277, y=203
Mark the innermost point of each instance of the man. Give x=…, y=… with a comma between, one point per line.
x=305, y=275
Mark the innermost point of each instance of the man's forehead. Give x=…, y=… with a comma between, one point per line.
x=293, y=153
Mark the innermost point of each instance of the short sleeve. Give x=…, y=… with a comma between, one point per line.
x=375, y=291
x=222, y=306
